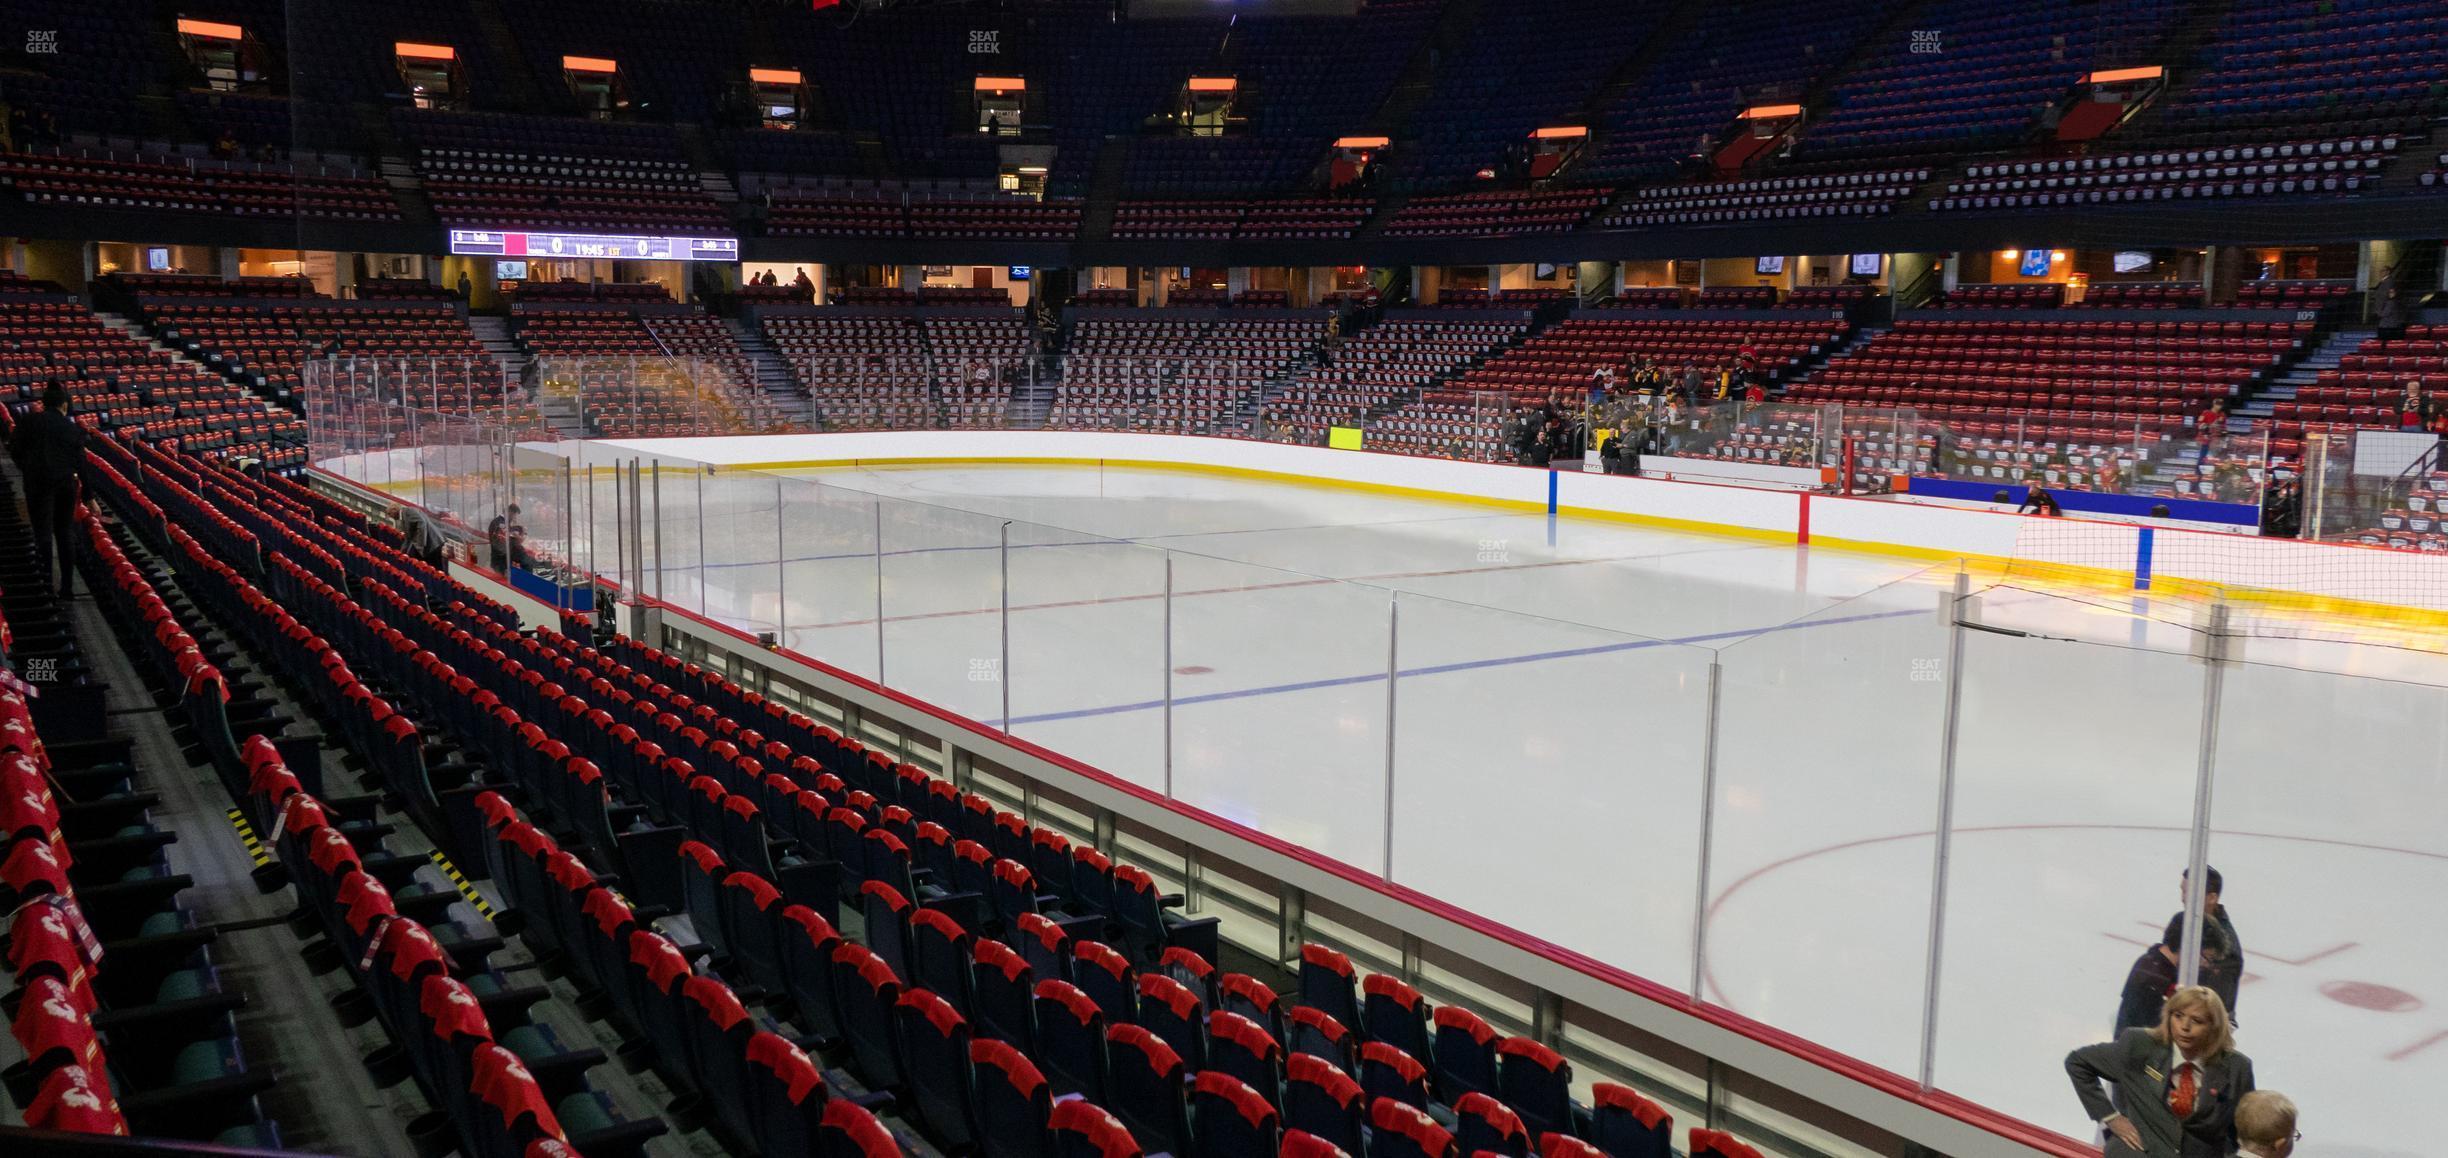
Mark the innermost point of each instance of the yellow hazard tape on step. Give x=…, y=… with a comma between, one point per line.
x=467, y=891
x=246, y=836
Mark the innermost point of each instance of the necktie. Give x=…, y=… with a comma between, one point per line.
x=2180, y=1099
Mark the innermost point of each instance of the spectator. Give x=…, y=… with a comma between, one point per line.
x=803, y=287
x=421, y=538
x=225, y=146
x=467, y=289
x=2415, y=409
x=2039, y=502
x=2177, y=1084
x=2224, y=974
x=2154, y=974
x=50, y=448
x=2265, y=1125
x=498, y=534
x=1636, y=440
x=2282, y=509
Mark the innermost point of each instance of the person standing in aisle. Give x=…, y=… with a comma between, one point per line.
x=50, y=449
x=2223, y=972
x=2177, y=1084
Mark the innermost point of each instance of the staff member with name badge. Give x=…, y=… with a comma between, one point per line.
x=2177, y=1084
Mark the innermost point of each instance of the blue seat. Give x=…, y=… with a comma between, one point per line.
x=1049, y=862
x=1106, y=976
x=1302, y=1144
x=701, y=875
x=1045, y=945
x=718, y=1028
x=1311, y=1032
x=1013, y=1100
x=887, y=911
x=939, y=957
x=1627, y=1125
x=972, y=868
x=1387, y=1072
x=1003, y=991
x=1192, y=969
x=1230, y=1119
x=1246, y=995
x=1394, y=1013
x=1152, y=929
x=847, y=1130
x=1174, y=1013
x=752, y=910
x=1147, y=1087
x=786, y=1096
x=1537, y=1083
x=1465, y=1053
x=1322, y=1100
x=1092, y=881
x=806, y=954
x=1071, y=1039
x=1327, y=983
x=1483, y=1123
x=1081, y=1130
x=867, y=992
x=1243, y=1048
x=935, y=1051
x=655, y=972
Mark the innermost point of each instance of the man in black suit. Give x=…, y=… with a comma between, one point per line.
x=2177, y=1084
x=50, y=449
x=2154, y=973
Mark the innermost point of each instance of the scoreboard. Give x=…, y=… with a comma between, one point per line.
x=514, y=243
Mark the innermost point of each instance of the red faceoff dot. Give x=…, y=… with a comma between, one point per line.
x=2366, y=995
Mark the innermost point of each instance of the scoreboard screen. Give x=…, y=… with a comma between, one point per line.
x=515, y=243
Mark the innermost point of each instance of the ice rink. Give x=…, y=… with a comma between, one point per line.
x=1539, y=753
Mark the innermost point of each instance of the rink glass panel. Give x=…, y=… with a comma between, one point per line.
x=1828, y=749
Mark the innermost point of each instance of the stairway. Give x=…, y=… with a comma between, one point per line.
x=773, y=374
x=135, y=332
x=2289, y=380
x=493, y=333
x=1032, y=398
x=409, y=191
x=1104, y=190
x=1814, y=363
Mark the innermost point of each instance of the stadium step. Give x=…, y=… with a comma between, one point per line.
x=136, y=332
x=2289, y=378
x=773, y=374
x=494, y=334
